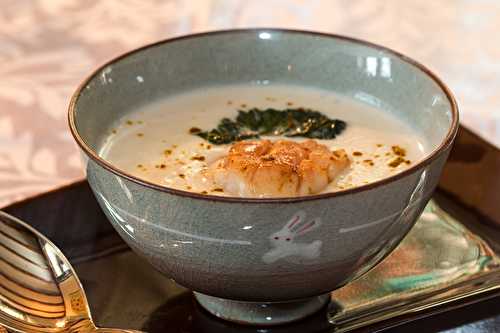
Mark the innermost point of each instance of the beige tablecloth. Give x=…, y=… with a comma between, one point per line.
x=48, y=46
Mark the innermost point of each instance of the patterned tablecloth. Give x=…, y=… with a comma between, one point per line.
x=48, y=46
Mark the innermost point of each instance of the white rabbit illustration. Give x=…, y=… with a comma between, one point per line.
x=283, y=241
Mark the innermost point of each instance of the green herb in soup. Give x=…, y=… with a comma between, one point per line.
x=290, y=123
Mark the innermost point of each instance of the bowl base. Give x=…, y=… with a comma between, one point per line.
x=261, y=313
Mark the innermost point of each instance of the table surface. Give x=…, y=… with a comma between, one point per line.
x=97, y=253
x=48, y=46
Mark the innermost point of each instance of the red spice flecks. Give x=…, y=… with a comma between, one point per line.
x=396, y=162
x=198, y=158
x=369, y=162
x=194, y=130
x=398, y=151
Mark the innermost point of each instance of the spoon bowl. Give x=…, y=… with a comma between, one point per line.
x=39, y=290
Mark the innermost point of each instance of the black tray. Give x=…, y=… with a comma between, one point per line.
x=126, y=292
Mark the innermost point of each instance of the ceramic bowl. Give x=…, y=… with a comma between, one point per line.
x=241, y=255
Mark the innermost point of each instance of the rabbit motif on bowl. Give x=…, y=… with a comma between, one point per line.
x=284, y=245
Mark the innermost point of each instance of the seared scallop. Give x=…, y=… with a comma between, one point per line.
x=267, y=168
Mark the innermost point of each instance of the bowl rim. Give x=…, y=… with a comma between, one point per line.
x=447, y=141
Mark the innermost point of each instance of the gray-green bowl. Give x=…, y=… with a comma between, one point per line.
x=225, y=248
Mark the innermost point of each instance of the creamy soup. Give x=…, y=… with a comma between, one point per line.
x=157, y=142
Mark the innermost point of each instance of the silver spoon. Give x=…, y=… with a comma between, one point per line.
x=39, y=290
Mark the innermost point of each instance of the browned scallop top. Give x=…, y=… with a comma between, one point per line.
x=288, y=154
x=282, y=167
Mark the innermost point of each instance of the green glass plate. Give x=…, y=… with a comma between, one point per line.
x=439, y=261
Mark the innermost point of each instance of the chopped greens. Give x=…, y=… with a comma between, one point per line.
x=290, y=122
